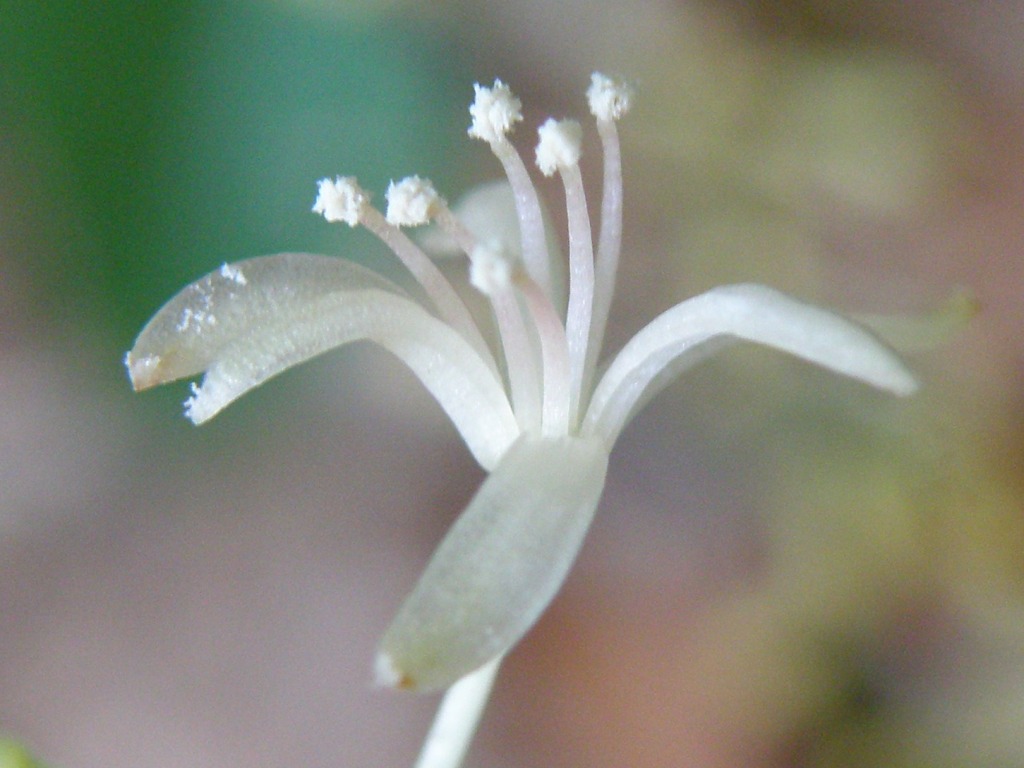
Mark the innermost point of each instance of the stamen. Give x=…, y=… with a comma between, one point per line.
x=550, y=411
x=411, y=202
x=455, y=229
x=494, y=112
x=344, y=200
x=441, y=293
x=554, y=356
x=559, y=149
x=341, y=200
x=609, y=100
x=491, y=270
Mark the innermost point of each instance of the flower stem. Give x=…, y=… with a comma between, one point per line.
x=457, y=718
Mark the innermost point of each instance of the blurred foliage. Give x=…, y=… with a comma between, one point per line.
x=888, y=601
x=756, y=146
x=14, y=755
x=884, y=624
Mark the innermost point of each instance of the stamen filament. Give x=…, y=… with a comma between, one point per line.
x=554, y=355
x=448, y=303
x=558, y=148
x=531, y=221
x=581, y=282
x=609, y=245
x=520, y=358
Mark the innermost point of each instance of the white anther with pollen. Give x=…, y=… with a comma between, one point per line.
x=411, y=202
x=609, y=99
x=494, y=112
x=341, y=200
x=559, y=146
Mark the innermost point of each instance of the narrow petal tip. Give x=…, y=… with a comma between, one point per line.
x=143, y=372
x=386, y=674
x=904, y=384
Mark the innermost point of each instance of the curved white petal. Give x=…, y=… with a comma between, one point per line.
x=679, y=338
x=188, y=333
x=279, y=311
x=499, y=566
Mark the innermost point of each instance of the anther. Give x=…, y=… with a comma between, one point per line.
x=490, y=269
x=411, y=202
x=609, y=99
x=559, y=146
x=341, y=200
x=494, y=111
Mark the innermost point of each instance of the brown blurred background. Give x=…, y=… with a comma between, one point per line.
x=787, y=569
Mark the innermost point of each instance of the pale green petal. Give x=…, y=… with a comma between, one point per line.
x=680, y=336
x=500, y=564
x=248, y=322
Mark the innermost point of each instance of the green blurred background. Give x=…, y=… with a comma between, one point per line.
x=787, y=570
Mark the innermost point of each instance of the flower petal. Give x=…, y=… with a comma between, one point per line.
x=247, y=322
x=680, y=337
x=499, y=566
x=188, y=333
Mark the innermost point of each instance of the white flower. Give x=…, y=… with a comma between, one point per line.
x=541, y=422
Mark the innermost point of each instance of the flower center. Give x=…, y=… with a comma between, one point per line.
x=549, y=359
